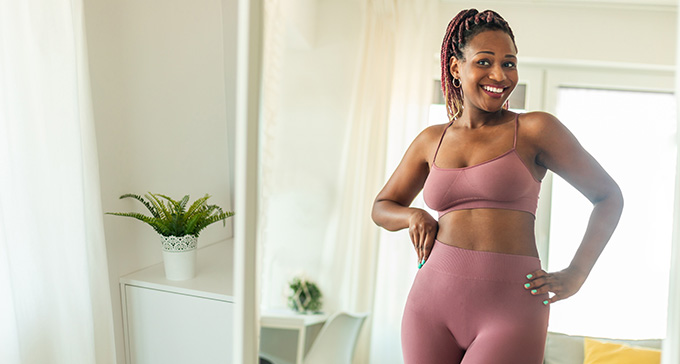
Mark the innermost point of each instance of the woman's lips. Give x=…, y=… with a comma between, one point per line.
x=493, y=91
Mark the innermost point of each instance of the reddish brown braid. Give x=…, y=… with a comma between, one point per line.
x=462, y=28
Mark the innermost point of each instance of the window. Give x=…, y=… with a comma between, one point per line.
x=633, y=136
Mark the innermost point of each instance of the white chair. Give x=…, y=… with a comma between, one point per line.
x=337, y=339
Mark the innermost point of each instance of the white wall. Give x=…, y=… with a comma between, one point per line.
x=162, y=110
x=562, y=31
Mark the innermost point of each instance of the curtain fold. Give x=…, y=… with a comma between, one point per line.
x=55, y=303
x=274, y=45
x=390, y=103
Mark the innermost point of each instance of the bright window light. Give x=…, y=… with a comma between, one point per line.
x=633, y=136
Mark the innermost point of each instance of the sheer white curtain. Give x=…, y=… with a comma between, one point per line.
x=54, y=296
x=671, y=349
x=390, y=103
x=415, y=54
x=274, y=44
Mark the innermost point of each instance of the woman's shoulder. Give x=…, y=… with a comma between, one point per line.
x=543, y=129
x=430, y=134
x=537, y=119
x=426, y=142
x=537, y=123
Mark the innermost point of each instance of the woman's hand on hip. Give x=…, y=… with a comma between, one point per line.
x=422, y=229
x=563, y=284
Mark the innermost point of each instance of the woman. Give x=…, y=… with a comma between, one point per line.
x=480, y=296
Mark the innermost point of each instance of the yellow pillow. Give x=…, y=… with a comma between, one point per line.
x=598, y=352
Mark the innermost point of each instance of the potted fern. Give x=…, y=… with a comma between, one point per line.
x=178, y=227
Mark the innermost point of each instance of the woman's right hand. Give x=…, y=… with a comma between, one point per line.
x=422, y=229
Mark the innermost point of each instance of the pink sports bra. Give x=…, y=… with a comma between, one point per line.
x=504, y=182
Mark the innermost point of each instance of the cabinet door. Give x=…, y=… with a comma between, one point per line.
x=168, y=328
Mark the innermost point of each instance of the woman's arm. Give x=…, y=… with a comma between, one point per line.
x=391, y=209
x=559, y=151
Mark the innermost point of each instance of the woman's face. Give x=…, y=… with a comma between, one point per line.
x=489, y=72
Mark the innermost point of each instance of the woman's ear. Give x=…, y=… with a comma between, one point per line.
x=454, y=67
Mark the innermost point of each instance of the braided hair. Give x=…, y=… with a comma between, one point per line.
x=462, y=28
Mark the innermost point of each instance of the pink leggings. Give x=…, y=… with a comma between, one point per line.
x=470, y=307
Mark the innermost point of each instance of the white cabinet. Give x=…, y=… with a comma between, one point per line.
x=168, y=322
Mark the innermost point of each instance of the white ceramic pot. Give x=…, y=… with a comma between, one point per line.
x=179, y=257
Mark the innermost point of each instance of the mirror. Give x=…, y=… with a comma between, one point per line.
x=304, y=150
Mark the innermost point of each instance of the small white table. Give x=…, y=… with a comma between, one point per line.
x=289, y=320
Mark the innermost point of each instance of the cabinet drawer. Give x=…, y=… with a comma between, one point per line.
x=168, y=327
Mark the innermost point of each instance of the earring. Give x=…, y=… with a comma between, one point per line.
x=456, y=85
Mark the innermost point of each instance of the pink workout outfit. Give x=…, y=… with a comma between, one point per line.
x=468, y=306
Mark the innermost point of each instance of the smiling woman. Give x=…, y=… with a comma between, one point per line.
x=482, y=174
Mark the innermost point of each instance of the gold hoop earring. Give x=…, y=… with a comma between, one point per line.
x=456, y=85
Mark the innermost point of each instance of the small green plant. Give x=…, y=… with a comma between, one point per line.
x=305, y=296
x=172, y=218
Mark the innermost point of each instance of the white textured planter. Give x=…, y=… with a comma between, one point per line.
x=179, y=257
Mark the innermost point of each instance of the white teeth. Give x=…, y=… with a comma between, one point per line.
x=493, y=89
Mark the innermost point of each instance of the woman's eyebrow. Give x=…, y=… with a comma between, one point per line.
x=493, y=54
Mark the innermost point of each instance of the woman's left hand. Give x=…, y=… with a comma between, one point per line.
x=563, y=284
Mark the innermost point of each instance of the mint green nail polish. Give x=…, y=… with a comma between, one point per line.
x=527, y=285
x=534, y=291
x=546, y=302
x=529, y=276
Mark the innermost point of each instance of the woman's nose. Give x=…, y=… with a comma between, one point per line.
x=497, y=74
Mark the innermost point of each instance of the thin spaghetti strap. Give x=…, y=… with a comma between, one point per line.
x=440, y=142
x=514, y=142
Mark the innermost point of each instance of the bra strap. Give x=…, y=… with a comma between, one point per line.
x=440, y=141
x=514, y=142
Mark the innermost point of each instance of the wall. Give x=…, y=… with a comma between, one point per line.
x=564, y=31
x=162, y=107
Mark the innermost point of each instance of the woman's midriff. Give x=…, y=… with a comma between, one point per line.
x=494, y=230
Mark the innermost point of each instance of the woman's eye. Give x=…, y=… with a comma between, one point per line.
x=510, y=64
x=483, y=62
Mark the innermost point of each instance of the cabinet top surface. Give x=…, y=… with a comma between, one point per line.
x=214, y=275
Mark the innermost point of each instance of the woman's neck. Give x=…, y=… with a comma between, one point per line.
x=474, y=119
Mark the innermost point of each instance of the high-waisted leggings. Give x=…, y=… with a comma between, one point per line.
x=471, y=307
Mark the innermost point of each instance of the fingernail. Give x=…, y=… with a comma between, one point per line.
x=527, y=285
x=546, y=302
x=534, y=291
x=529, y=276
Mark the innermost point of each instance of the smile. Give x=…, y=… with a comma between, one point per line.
x=496, y=90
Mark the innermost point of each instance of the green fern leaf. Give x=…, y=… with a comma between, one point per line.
x=141, y=199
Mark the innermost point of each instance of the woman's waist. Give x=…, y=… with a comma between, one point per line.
x=481, y=264
x=512, y=233
x=506, y=244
